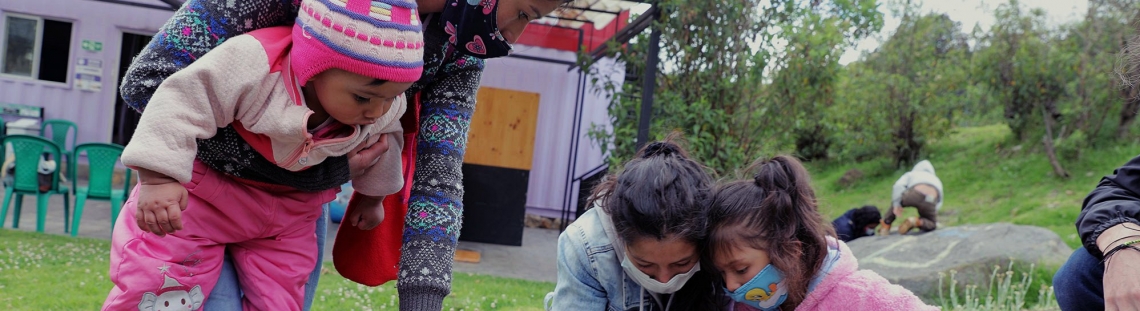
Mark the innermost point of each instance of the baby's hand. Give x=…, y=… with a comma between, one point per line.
x=366, y=154
x=366, y=211
x=160, y=207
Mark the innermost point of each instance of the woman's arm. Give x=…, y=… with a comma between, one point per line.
x=1113, y=203
x=1109, y=218
x=577, y=287
x=196, y=28
x=435, y=206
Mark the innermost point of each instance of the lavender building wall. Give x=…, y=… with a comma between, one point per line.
x=94, y=21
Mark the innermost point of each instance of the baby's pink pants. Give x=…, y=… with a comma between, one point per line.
x=269, y=234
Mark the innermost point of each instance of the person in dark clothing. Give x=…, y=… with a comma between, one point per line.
x=1105, y=273
x=857, y=223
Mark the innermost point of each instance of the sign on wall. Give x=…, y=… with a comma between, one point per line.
x=89, y=74
x=93, y=46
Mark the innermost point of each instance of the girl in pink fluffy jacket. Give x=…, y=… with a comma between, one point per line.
x=774, y=251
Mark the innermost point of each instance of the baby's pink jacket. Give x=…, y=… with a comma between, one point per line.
x=248, y=82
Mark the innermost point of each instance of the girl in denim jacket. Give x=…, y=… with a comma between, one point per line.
x=639, y=248
x=774, y=251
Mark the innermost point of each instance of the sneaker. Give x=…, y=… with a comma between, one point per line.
x=909, y=223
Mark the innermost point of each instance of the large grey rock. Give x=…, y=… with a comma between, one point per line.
x=915, y=260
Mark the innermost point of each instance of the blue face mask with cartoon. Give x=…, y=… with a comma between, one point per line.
x=766, y=291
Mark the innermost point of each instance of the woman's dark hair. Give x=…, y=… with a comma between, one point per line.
x=661, y=194
x=774, y=212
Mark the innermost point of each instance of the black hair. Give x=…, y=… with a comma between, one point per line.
x=866, y=215
x=776, y=212
x=660, y=194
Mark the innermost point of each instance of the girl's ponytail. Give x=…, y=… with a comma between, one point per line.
x=779, y=183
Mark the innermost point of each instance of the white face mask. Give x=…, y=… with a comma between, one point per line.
x=654, y=286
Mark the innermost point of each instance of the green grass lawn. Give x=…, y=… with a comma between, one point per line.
x=51, y=272
x=986, y=178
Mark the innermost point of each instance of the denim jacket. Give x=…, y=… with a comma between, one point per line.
x=590, y=276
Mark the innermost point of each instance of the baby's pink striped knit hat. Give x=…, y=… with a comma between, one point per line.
x=381, y=39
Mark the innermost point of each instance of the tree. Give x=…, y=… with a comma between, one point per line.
x=802, y=90
x=1087, y=51
x=901, y=95
x=1028, y=74
x=1113, y=22
x=714, y=56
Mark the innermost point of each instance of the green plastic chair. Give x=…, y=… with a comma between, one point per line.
x=101, y=161
x=28, y=150
x=59, y=130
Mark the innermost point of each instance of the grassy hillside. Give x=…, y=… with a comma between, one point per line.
x=987, y=178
